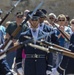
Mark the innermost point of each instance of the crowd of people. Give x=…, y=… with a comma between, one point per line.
x=28, y=60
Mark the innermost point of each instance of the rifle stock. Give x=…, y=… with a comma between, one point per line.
x=54, y=45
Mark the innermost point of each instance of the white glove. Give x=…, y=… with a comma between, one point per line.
x=54, y=72
x=48, y=72
x=1, y=45
x=20, y=71
x=2, y=56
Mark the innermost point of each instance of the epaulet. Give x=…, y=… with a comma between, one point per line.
x=23, y=33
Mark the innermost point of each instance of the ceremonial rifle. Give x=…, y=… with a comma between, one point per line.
x=54, y=45
x=48, y=50
x=9, y=41
x=52, y=49
x=45, y=43
x=10, y=11
x=15, y=47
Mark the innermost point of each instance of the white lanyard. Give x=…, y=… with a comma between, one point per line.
x=35, y=34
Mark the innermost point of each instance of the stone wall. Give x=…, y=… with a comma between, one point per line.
x=55, y=6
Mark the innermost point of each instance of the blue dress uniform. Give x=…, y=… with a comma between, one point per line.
x=50, y=31
x=44, y=27
x=67, y=64
x=4, y=68
x=37, y=61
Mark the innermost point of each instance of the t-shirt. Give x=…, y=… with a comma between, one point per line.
x=12, y=27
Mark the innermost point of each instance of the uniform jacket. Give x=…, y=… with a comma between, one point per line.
x=67, y=64
x=51, y=32
x=34, y=66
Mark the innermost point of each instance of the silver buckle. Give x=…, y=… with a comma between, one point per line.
x=36, y=56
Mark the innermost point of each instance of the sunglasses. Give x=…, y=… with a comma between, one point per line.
x=34, y=19
x=51, y=18
x=19, y=16
x=72, y=22
x=61, y=20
